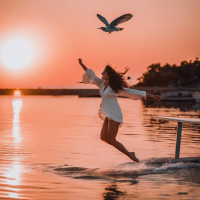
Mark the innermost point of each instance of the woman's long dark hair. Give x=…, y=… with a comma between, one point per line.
x=116, y=79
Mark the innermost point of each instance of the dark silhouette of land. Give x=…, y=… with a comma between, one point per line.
x=54, y=92
x=187, y=74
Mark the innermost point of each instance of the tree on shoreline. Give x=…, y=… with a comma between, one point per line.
x=187, y=74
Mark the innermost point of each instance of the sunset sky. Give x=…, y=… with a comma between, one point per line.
x=59, y=32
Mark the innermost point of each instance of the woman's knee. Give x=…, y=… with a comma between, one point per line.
x=103, y=138
x=111, y=141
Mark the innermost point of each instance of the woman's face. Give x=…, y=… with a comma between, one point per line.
x=105, y=75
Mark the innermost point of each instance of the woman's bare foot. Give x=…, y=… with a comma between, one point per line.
x=133, y=157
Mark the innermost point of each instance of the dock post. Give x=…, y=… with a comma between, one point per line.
x=178, y=140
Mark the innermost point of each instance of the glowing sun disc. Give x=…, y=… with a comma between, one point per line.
x=16, y=53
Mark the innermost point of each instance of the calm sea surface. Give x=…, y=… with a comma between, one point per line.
x=50, y=148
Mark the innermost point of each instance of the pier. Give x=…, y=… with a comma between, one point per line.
x=178, y=138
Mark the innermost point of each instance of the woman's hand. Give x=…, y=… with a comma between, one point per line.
x=83, y=66
x=80, y=61
x=157, y=97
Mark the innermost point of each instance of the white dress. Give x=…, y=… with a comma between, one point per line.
x=109, y=106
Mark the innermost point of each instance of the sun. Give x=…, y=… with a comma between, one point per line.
x=16, y=53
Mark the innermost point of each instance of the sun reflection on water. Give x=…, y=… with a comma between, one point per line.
x=17, y=103
x=13, y=179
x=17, y=93
x=12, y=173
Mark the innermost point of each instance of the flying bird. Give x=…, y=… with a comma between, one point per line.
x=112, y=26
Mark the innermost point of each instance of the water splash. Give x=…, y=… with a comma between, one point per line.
x=128, y=170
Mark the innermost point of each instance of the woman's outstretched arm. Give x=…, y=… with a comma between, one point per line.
x=137, y=94
x=97, y=81
x=82, y=65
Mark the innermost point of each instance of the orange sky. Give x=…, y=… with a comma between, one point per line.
x=61, y=31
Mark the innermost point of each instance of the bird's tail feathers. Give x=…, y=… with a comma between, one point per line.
x=119, y=29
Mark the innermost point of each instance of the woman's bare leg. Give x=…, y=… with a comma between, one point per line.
x=113, y=127
x=104, y=130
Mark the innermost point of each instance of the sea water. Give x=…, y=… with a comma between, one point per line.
x=50, y=148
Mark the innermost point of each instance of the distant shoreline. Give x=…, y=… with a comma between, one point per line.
x=56, y=92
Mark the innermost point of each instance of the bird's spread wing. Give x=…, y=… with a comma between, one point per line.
x=121, y=19
x=103, y=20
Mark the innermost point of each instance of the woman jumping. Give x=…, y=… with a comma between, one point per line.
x=111, y=85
